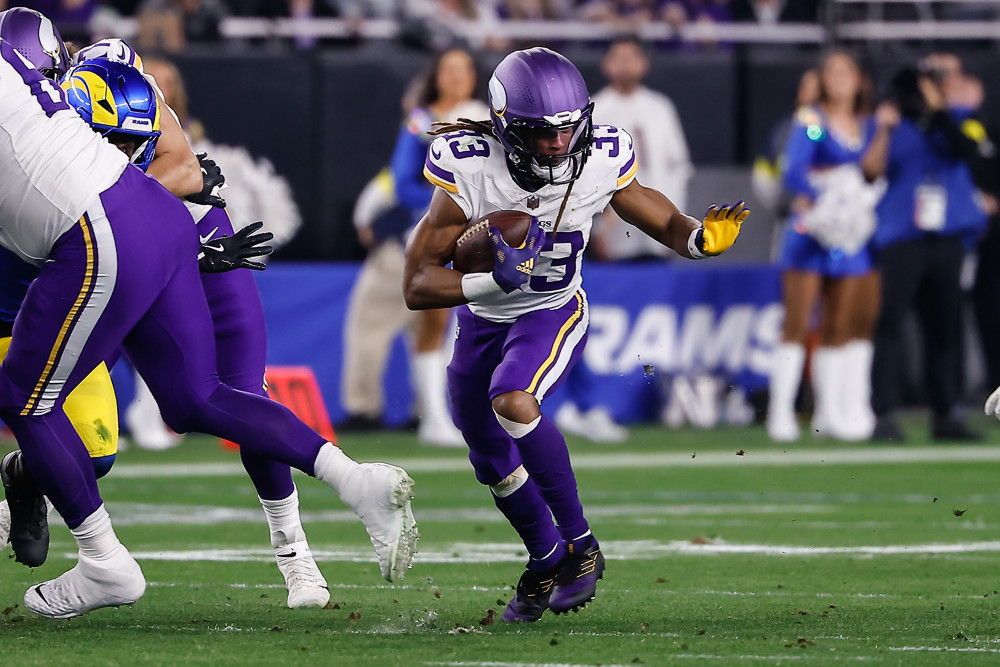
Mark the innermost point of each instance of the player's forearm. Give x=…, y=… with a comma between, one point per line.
x=178, y=172
x=679, y=232
x=433, y=287
x=656, y=216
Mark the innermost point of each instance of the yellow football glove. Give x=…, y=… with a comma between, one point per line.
x=721, y=226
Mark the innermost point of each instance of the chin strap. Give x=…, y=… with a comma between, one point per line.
x=562, y=207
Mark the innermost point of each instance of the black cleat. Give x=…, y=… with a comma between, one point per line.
x=29, y=522
x=887, y=430
x=531, y=598
x=953, y=430
x=360, y=424
x=576, y=582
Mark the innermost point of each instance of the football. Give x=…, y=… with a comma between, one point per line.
x=474, y=252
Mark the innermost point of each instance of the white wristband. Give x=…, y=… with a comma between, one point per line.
x=693, y=243
x=476, y=286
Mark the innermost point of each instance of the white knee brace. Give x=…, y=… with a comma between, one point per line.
x=510, y=483
x=517, y=429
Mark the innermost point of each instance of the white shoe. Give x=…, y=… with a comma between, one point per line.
x=439, y=433
x=603, y=428
x=570, y=420
x=822, y=427
x=305, y=583
x=4, y=523
x=782, y=428
x=380, y=494
x=92, y=584
x=147, y=427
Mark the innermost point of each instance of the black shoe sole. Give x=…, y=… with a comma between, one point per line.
x=579, y=605
x=28, y=550
x=583, y=603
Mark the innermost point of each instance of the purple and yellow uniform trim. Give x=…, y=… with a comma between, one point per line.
x=557, y=347
x=627, y=173
x=72, y=317
x=442, y=178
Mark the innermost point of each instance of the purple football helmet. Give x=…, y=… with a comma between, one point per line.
x=35, y=37
x=538, y=99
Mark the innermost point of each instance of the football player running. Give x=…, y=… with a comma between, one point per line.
x=526, y=321
x=104, y=277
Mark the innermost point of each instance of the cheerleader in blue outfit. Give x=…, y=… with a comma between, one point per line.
x=825, y=259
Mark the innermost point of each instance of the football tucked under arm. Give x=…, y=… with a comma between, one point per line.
x=474, y=250
x=497, y=254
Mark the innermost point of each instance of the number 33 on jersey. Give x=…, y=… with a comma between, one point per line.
x=472, y=168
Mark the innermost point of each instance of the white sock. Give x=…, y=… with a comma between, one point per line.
x=858, y=355
x=827, y=372
x=786, y=373
x=283, y=520
x=430, y=376
x=332, y=464
x=95, y=536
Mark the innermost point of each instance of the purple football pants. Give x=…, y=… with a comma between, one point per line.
x=241, y=348
x=126, y=275
x=533, y=354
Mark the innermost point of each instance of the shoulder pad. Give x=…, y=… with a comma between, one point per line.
x=613, y=146
x=464, y=151
x=437, y=166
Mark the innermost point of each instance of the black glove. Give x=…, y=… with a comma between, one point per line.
x=231, y=252
x=212, y=182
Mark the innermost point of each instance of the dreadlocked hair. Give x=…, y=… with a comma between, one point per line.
x=481, y=126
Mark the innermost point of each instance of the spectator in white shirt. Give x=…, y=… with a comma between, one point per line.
x=652, y=120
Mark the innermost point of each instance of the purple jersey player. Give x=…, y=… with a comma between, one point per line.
x=235, y=307
x=72, y=204
x=526, y=321
x=240, y=343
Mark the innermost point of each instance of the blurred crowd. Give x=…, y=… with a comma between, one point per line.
x=169, y=25
x=675, y=12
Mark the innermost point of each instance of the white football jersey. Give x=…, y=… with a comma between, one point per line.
x=472, y=168
x=52, y=164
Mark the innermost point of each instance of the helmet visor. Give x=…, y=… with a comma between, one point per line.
x=554, y=153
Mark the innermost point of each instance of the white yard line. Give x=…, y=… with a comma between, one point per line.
x=491, y=663
x=131, y=514
x=621, y=550
x=681, y=656
x=631, y=460
x=944, y=649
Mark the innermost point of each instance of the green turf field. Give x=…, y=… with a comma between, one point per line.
x=814, y=553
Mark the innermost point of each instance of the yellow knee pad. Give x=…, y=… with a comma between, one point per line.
x=92, y=408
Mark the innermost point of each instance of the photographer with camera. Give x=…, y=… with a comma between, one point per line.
x=928, y=219
x=984, y=162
